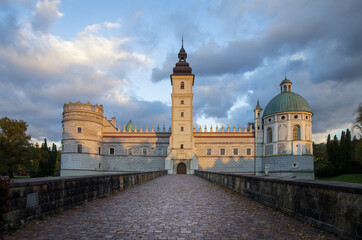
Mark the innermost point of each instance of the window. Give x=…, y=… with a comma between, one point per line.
x=283, y=117
x=129, y=151
x=144, y=151
x=236, y=151
x=181, y=146
x=296, y=116
x=296, y=132
x=222, y=151
x=182, y=85
x=208, y=151
x=182, y=114
x=159, y=151
x=182, y=129
x=79, y=130
x=79, y=148
x=248, y=151
x=269, y=120
x=285, y=88
x=269, y=135
x=182, y=102
x=306, y=117
x=111, y=151
x=99, y=150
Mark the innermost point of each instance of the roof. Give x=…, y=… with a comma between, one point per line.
x=287, y=102
x=285, y=81
x=130, y=125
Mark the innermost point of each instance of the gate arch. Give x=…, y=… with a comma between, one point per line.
x=181, y=168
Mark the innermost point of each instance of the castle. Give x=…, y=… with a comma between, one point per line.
x=278, y=142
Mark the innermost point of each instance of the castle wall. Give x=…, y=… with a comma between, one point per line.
x=296, y=166
x=134, y=152
x=241, y=162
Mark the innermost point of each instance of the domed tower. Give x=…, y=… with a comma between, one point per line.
x=287, y=122
x=81, y=139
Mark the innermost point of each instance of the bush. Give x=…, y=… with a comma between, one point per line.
x=4, y=197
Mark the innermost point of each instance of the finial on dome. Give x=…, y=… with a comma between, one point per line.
x=182, y=45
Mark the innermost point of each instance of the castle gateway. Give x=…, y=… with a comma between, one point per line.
x=277, y=143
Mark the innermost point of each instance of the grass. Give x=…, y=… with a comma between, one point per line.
x=353, y=178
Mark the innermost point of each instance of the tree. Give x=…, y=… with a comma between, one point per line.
x=14, y=143
x=44, y=159
x=358, y=122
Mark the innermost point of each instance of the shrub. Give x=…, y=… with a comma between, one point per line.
x=4, y=195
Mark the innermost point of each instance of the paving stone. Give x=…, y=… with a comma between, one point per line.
x=171, y=207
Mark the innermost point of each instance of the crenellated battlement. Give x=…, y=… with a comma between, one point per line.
x=87, y=107
x=158, y=129
x=246, y=129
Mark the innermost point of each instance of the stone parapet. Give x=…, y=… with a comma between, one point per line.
x=78, y=106
x=36, y=197
x=333, y=206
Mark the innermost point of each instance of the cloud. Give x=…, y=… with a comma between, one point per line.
x=45, y=15
x=112, y=25
x=42, y=71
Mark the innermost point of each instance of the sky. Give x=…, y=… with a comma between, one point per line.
x=121, y=53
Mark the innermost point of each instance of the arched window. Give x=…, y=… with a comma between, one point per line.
x=269, y=135
x=296, y=132
x=182, y=85
x=285, y=88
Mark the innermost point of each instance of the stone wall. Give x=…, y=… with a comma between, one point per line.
x=36, y=197
x=332, y=206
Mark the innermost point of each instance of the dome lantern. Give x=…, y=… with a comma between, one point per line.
x=286, y=85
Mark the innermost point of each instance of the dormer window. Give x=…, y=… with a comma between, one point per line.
x=182, y=85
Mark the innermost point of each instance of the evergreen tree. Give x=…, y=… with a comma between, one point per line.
x=342, y=153
x=44, y=159
x=335, y=152
x=53, y=159
x=349, y=150
x=329, y=149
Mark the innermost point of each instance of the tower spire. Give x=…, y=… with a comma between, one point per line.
x=182, y=45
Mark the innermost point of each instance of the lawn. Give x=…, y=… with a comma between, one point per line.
x=354, y=178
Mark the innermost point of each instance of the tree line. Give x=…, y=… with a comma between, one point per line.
x=18, y=156
x=340, y=156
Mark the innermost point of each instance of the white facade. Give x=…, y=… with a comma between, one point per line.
x=277, y=143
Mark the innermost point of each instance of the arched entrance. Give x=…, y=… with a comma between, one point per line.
x=181, y=168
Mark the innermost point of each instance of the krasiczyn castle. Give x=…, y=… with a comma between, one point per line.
x=277, y=143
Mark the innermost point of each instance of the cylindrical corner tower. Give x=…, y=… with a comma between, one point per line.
x=81, y=139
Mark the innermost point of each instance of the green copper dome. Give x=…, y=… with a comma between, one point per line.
x=130, y=125
x=287, y=102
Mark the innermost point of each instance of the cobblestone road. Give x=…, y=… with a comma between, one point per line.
x=171, y=207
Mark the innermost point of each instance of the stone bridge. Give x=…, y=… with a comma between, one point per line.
x=167, y=207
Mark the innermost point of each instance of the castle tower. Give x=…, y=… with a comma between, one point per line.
x=288, y=147
x=258, y=126
x=180, y=152
x=81, y=139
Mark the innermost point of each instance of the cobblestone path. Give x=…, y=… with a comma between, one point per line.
x=171, y=207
